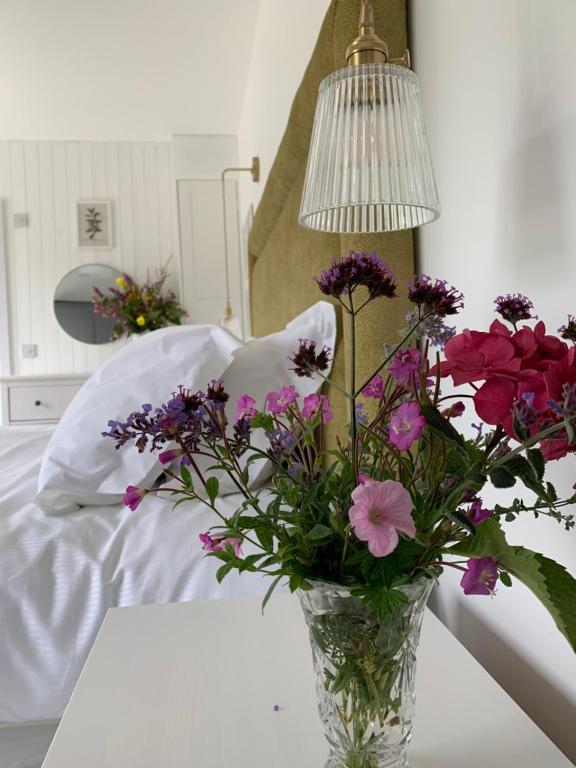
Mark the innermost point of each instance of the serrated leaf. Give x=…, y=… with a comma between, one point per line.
x=537, y=462
x=501, y=478
x=548, y=580
x=212, y=488
x=461, y=518
x=319, y=532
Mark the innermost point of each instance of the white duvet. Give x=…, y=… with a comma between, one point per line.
x=59, y=576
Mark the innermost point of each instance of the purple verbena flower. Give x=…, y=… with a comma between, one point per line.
x=242, y=430
x=308, y=361
x=361, y=415
x=374, y=388
x=524, y=412
x=480, y=577
x=354, y=270
x=216, y=393
x=405, y=366
x=406, y=426
x=514, y=307
x=568, y=331
x=435, y=298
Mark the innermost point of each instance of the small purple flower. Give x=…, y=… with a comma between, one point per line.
x=307, y=360
x=406, y=426
x=476, y=514
x=454, y=411
x=134, y=496
x=276, y=708
x=282, y=443
x=242, y=430
x=405, y=365
x=245, y=407
x=361, y=415
x=374, y=388
x=167, y=457
x=279, y=402
x=216, y=393
x=354, y=270
x=524, y=412
x=219, y=543
x=480, y=577
x=314, y=404
x=435, y=298
x=568, y=331
x=514, y=307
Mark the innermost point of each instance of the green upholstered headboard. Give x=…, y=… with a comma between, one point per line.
x=284, y=257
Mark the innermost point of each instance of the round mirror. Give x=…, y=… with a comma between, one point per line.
x=73, y=303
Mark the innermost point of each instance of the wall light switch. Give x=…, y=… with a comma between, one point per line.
x=21, y=220
x=29, y=350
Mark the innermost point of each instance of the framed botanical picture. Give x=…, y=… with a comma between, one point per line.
x=94, y=224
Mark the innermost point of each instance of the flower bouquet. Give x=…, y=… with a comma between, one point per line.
x=138, y=308
x=363, y=530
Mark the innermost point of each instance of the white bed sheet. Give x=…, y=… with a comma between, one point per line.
x=59, y=575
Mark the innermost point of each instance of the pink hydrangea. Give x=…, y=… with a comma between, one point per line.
x=219, y=543
x=406, y=426
x=480, y=577
x=405, y=365
x=279, y=402
x=379, y=511
x=374, y=388
x=245, y=407
x=314, y=404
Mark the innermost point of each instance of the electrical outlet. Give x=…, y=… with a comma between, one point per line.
x=29, y=350
x=21, y=220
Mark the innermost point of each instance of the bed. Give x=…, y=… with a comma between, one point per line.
x=59, y=575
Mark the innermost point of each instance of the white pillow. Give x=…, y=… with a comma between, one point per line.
x=261, y=366
x=79, y=466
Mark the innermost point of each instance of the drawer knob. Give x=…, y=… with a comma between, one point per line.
x=37, y=402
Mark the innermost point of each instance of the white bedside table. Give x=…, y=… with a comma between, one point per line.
x=194, y=686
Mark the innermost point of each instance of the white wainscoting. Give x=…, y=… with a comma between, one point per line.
x=45, y=179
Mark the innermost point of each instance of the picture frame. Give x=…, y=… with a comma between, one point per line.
x=94, y=223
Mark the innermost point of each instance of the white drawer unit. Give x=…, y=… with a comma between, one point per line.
x=37, y=399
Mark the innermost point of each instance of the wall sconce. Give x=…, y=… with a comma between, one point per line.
x=369, y=167
x=230, y=321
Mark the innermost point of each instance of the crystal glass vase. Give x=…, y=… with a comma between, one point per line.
x=365, y=669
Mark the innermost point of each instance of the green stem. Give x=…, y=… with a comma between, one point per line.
x=353, y=424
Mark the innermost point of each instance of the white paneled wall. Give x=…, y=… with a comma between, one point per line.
x=45, y=179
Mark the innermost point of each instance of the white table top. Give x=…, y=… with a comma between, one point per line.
x=195, y=684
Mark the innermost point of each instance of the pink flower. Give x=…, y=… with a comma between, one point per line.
x=134, y=496
x=374, y=388
x=481, y=576
x=219, y=543
x=406, y=426
x=314, y=404
x=167, y=457
x=279, y=402
x=476, y=514
x=405, y=365
x=379, y=511
x=245, y=407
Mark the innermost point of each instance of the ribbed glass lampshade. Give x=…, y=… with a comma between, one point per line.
x=369, y=167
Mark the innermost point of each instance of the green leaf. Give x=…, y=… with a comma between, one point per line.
x=549, y=581
x=505, y=579
x=537, y=462
x=501, y=478
x=186, y=476
x=223, y=571
x=438, y=423
x=212, y=488
x=319, y=532
x=271, y=589
x=263, y=421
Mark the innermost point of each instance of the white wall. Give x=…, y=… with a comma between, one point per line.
x=285, y=36
x=498, y=86
x=45, y=180
x=122, y=69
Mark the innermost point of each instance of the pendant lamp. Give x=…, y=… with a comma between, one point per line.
x=369, y=168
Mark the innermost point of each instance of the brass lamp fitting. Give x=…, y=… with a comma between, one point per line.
x=368, y=48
